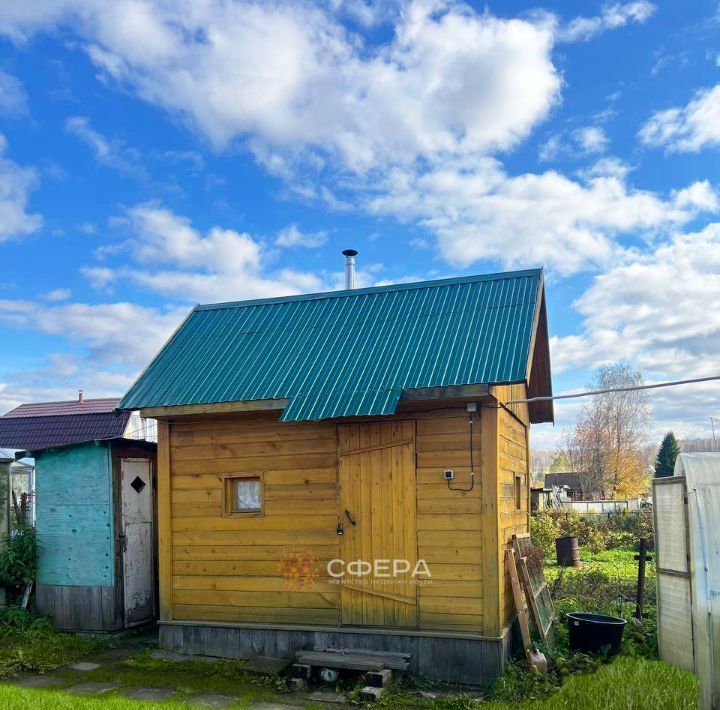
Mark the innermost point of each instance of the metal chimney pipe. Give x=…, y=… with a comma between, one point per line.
x=80, y=395
x=349, y=255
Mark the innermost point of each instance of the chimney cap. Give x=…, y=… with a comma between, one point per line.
x=350, y=252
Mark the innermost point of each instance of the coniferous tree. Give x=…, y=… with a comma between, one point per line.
x=665, y=461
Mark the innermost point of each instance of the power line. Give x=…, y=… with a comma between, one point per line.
x=614, y=389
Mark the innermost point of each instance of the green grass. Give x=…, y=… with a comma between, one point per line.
x=625, y=684
x=29, y=644
x=22, y=699
x=223, y=677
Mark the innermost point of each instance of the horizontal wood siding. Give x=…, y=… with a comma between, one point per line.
x=449, y=522
x=512, y=462
x=229, y=568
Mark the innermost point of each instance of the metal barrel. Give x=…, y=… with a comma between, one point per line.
x=567, y=551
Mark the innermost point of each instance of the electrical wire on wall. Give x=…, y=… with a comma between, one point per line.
x=472, y=459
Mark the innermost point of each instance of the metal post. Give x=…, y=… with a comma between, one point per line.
x=4, y=511
x=712, y=424
x=642, y=559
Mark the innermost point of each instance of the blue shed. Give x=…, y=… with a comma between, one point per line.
x=95, y=512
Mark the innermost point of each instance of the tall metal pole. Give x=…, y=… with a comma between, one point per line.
x=712, y=424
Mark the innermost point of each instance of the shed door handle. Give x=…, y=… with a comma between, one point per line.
x=350, y=517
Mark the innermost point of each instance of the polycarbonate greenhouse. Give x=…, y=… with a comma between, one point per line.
x=687, y=542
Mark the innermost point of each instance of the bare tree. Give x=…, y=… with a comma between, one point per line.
x=605, y=446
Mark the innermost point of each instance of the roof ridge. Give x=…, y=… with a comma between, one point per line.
x=68, y=401
x=350, y=293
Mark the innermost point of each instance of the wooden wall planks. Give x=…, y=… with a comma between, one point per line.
x=228, y=569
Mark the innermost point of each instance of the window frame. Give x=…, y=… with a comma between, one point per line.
x=517, y=491
x=228, y=494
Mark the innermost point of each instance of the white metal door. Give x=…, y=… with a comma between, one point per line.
x=137, y=539
x=674, y=587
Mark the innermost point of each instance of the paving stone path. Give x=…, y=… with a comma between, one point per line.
x=85, y=666
x=262, y=665
x=325, y=696
x=92, y=688
x=38, y=681
x=155, y=694
x=213, y=701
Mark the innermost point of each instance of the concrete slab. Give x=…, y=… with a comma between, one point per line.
x=156, y=694
x=213, y=701
x=38, y=681
x=85, y=666
x=267, y=665
x=92, y=688
x=327, y=696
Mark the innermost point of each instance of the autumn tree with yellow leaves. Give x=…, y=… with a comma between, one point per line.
x=605, y=445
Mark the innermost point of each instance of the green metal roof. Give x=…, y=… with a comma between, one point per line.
x=348, y=353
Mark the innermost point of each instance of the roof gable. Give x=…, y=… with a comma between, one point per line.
x=348, y=353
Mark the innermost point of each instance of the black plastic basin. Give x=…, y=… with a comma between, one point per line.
x=592, y=633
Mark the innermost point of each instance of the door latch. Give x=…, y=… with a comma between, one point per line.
x=340, y=529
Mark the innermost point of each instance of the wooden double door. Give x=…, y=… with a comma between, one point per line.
x=378, y=547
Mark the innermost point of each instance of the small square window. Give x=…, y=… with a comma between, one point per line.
x=518, y=492
x=242, y=495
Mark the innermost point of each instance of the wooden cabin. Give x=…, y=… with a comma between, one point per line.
x=345, y=470
x=95, y=512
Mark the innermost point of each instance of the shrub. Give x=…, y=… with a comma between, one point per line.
x=18, y=561
x=595, y=532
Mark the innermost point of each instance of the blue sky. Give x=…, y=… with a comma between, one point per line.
x=157, y=154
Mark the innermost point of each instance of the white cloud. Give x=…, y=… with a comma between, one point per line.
x=173, y=258
x=113, y=154
x=580, y=143
x=655, y=308
x=551, y=148
x=688, y=129
x=610, y=18
x=16, y=184
x=292, y=237
x=58, y=294
x=292, y=76
x=103, y=330
x=478, y=211
x=100, y=277
x=407, y=122
x=107, y=344
x=591, y=139
x=13, y=99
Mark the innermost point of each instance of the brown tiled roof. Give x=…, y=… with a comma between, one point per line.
x=45, y=424
x=74, y=406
